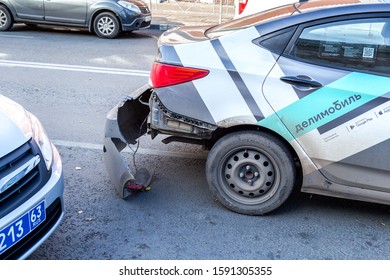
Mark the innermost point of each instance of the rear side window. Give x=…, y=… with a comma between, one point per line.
x=277, y=41
x=362, y=45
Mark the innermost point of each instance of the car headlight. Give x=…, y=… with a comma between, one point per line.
x=129, y=6
x=41, y=138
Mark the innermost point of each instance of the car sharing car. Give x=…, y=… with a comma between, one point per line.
x=107, y=18
x=31, y=183
x=297, y=95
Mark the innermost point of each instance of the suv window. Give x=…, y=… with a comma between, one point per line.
x=362, y=45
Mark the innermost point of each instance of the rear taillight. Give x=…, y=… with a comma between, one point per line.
x=163, y=75
x=241, y=5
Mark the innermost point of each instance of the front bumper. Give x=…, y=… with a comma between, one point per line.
x=52, y=194
x=131, y=21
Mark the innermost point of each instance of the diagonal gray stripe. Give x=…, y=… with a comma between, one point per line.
x=246, y=94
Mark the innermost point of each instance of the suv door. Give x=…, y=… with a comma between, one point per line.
x=66, y=11
x=29, y=9
x=331, y=89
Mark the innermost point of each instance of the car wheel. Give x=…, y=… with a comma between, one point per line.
x=106, y=25
x=6, y=20
x=250, y=172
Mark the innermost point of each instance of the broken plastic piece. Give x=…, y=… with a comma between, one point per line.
x=141, y=182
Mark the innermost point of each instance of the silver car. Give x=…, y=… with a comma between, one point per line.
x=107, y=18
x=31, y=183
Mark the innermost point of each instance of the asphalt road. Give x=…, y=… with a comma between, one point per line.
x=70, y=80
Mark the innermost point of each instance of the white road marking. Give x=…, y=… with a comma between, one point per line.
x=93, y=146
x=17, y=36
x=78, y=68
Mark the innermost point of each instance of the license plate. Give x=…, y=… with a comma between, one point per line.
x=14, y=232
x=148, y=18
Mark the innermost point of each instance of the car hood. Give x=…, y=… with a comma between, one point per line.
x=183, y=35
x=15, y=126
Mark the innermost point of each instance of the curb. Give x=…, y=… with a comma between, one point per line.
x=164, y=26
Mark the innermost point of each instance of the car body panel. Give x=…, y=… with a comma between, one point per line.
x=323, y=139
x=349, y=105
x=67, y=11
x=327, y=114
x=243, y=98
x=29, y=9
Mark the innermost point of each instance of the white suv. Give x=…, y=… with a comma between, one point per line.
x=31, y=183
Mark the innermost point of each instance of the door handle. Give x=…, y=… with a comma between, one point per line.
x=302, y=82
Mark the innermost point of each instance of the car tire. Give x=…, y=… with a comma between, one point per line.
x=250, y=172
x=106, y=25
x=6, y=19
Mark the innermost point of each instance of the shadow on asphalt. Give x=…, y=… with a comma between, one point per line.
x=74, y=31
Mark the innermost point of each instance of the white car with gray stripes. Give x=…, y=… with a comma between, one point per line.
x=294, y=97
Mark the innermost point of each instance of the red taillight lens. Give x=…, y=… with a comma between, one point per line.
x=242, y=5
x=163, y=75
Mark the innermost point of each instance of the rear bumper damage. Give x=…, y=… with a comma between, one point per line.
x=125, y=123
x=139, y=113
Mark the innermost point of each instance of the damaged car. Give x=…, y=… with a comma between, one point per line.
x=296, y=96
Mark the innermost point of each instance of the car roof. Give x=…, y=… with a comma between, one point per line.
x=298, y=13
x=318, y=9
x=326, y=8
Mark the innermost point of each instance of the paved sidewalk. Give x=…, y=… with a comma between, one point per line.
x=171, y=14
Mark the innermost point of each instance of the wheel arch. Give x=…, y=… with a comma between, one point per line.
x=98, y=12
x=9, y=9
x=8, y=6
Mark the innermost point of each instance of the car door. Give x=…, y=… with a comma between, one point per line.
x=331, y=89
x=66, y=11
x=29, y=9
